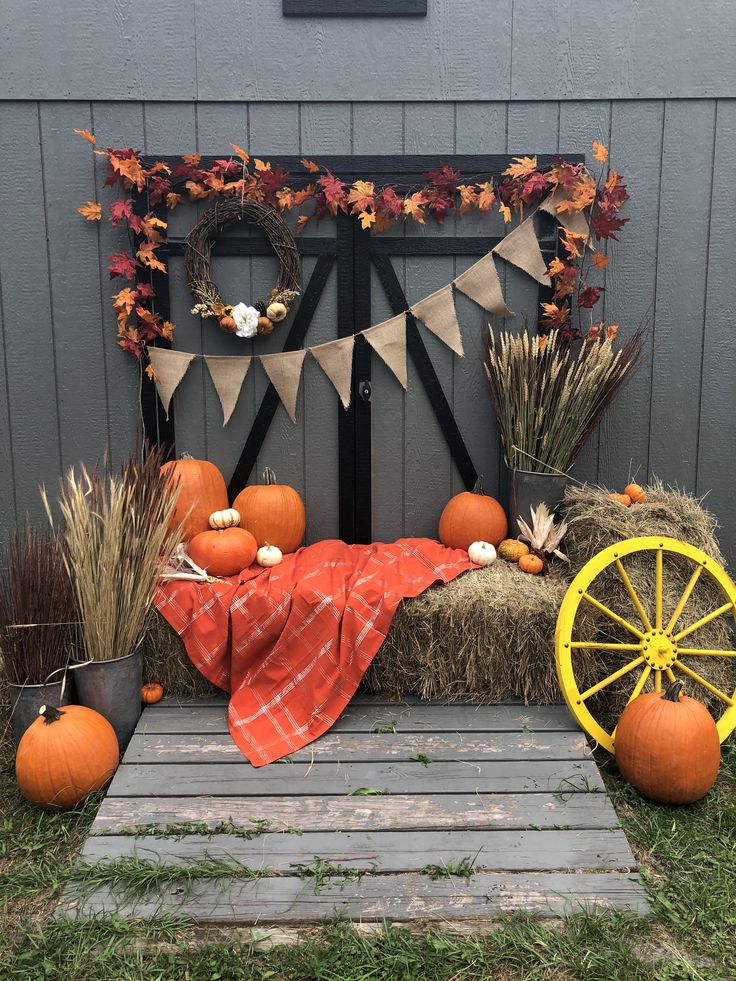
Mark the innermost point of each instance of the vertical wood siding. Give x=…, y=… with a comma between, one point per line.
x=68, y=393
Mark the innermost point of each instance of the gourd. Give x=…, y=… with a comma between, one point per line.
x=512, y=550
x=621, y=498
x=273, y=513
x=667, y=746
x=223, y=553
x=202, y=490
x=531, y=564
x=482, y=553
x=152, y=692
x=268, y=556
x=64, y=755
x=224, y=519
x=636, y=493
x=470, y=517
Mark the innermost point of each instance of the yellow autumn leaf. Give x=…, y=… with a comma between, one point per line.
x=86, y=135
x=92, y=211
x=505, y=211
x=241, y=153
x=261, y=165
x=600, y=152
x=521, y=167
x=367, y=218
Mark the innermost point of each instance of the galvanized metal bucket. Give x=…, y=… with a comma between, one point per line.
x=113, y=688
x=26, y=700
x=527, y=489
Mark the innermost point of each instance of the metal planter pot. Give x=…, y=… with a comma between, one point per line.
x=113, y=688
x=26, y=700
x=527, y=489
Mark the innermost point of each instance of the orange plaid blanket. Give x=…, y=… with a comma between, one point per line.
x=291, y=643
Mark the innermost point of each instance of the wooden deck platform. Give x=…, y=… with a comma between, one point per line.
x=370, y=820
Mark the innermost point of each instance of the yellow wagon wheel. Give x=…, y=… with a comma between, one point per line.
x=658, y=638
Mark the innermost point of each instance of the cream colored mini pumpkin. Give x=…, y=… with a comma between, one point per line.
x=482, y=553
x=227, y=518
x=276, y=311
x=268, y=555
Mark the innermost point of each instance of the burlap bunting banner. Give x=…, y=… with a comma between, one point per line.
x=169, y=367
x=336, y=360
x=574, y=220
x=481, y=284
x=388, y=340
x=521, y=248
x=437, y=313
x=228, y=375
x=285, y=372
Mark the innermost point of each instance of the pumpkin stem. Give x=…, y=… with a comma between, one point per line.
x=478, y=485
x=269, y=477
x=673, y=691
x=185, y=456
x=50, y=714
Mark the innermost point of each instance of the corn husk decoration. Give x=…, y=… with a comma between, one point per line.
x=544, y=536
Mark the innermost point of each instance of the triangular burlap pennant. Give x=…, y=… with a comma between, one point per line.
x=437, y=313
x=388, y=340
x=336, y=360
x=521, y=248
x=169, y=367
x=481, y=284
x=574, y=220
x=228, y=375
x=285, y=372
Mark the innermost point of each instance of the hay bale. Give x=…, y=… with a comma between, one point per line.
x=166, y=661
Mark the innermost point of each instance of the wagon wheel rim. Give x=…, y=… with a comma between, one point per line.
x=657, y=638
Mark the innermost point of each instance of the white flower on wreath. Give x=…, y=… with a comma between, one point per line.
x=246, y=320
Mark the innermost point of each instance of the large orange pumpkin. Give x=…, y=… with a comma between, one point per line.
x=667, y=746
x=273, y=513
x=472, y=516
x=202, y=490
x=223, y=553
x=65, y=755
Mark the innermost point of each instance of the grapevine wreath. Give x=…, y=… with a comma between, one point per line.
x=242, y=319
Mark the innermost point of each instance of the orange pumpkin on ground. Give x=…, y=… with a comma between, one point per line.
x=621, y=498
x=202, y=490
x=667, y=746
x=472, y=516
x=273, y=513
x=636, y=492
x=531, y=563
x=64, y=755
x=152, y=693
x=223, y=553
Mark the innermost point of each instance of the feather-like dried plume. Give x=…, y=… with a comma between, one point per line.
x=544, y=535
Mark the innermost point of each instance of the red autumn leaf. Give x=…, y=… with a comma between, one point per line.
x=120, y=210
x=589, y=296
x=388, y=203
x=122, y=264
x=444, y=178
x=144, y=291
x=564, y=281
x=534, y=185
x=270, y=182
x=614, y=192
x=86, y=135
x=92, y=211
x=309, y=165
x=605, y=225
x=334, y=192
x=563, y=174
x=440, y=203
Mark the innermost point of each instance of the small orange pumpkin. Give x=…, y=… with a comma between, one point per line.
x=636, y=492
x=512, y=550
x=223, y=553
x=202, y=490
x=667, y=746
x=472, y=516
x=621, y=498
x=531, y=564
x=152, y=692
x=64, y=755
x=273, y=513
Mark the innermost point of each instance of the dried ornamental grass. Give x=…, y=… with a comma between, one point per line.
x=116, y=534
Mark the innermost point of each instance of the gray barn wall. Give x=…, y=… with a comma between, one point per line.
x=659, y=91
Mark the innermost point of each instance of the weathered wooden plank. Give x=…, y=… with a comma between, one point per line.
x=308, y=779
x=360, y=698
x=366, y=720
x=396, y=812
x=385, y=851
x=393, y=897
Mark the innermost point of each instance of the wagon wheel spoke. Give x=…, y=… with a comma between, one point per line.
x=683, y=599
x=657, y=680
x=611, y=678
x=638, y=606
x=658, y=590
x=640, y=683
x=704, y=682
x=702, y=622
x=670, y=674
x=704, y=652
x=612, y=616
x=596, y=645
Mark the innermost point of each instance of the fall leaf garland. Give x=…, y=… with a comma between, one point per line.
x=522, y=185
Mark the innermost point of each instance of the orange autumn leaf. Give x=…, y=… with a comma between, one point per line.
x=130, y=168
x=381, y=224
x=611, y=332
x=245, y=157
x=167, y=330
x=582, y=194
x=196, y=191
x=216, y=182
x=304, y=195
x=285, y=198
x=413, y=206
x=86, y=135
x=159, y=167
x=555, y=267
x=261, y=165
x=173, y=200
x=599, y=260
x=505, y=211
x=599, y=152
x=147, y=255
x=367, y=218
x=309, y=165
x=555, y=316
x=573, y=242
x=521, y=167
x=150, y=372
x=468, y=198
x=361, y=195
x=124, y=300
x=486, y=196
x=301, y=223
x=192, y=159
x=92, y=211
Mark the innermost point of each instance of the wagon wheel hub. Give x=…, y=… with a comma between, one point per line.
x=659, y=650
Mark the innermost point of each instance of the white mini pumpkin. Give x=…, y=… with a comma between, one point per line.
x=268, y=555
x=228, y=518
x=482, y=553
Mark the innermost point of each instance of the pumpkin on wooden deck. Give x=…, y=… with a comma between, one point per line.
x=667, y=746
x=202, y=491
x=273, y=513
x=472, y=516
x=151, y=693
x=223, y=553
x=64, y=755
